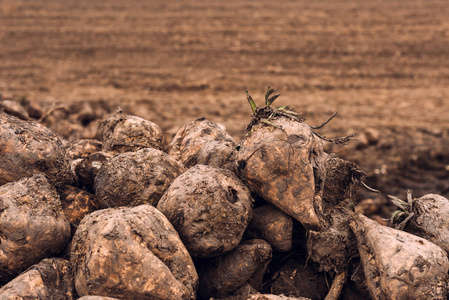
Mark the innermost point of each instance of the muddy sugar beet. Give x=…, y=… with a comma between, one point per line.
x=135, y=178
x=209, y=207
x=122, y=133
x=131, y=253
x=29, y=148
x=428, y=219
x=281, y=159
x=32, y=224
x=38, y=282
x=203, y=142
x=399, y=265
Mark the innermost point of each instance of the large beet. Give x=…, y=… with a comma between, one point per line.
x=209, y=207
x=50, y=279
x=32, y=225
x=225, y=274
x=135, y=178
x=122, y=133
x=131, y=253
x=278, y=162
x=205, y=143
x=28, y=148
x=283, y=161
x=399, y=265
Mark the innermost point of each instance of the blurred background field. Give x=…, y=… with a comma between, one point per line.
x=382, y=65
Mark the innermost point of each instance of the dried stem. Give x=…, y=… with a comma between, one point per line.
x=325, y=122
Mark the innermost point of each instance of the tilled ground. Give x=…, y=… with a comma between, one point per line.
x=382, y=66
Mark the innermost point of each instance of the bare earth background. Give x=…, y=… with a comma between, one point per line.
x=382, y=65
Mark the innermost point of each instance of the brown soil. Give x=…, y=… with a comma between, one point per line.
x=381, y=65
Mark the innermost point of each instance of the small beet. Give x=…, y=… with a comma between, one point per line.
x=124, y=133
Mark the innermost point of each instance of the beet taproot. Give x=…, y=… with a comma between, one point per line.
x=273, y=225
x=225, y=274
x=209, y=207
x=425, y=217
x=131, y=253
x=203, y=142
x=399, y=265
x=49, y=279
x=135, y=178
x=32, y=225
x=121, y=133
x=281, y=162
x=28, y=148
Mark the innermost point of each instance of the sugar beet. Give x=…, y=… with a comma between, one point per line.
x=32, y=224
x=224, y=275
x=399, y=265
x=76, y=204
x=131, y=253
x=28, y=148
x=209, y=207
x=273, y=226
x=203, y=142
x=429, y=219
x=49, y=279
x=135, y=178
x=122, y=133
x=281, y=163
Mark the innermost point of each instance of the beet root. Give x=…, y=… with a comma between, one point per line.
x=205, y=143
x=28, y=148
x=131, y=253
x=49, y=279
x=227, y=273
x=210, y=208
x=283, y=163
x=126, y=133
x=429, y=220
x=399, y=265
x=274, y=226
x=135, y=178
x=32, y=225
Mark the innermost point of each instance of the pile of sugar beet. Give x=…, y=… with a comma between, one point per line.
x=128, y=217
